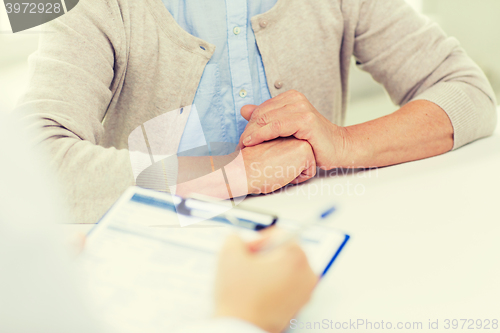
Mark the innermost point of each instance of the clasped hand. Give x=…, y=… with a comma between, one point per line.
x=286, y=138
x=287, y=131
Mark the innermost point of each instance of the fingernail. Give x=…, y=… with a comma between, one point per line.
x=247, y=140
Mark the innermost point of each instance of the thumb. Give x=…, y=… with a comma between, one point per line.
x=234, y=245
x=265, y=237
x=247, y=110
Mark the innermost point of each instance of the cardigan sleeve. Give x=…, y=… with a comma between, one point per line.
x=414, y=60
x=72, y=78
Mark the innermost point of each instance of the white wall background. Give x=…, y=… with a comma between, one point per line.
x=475, y=23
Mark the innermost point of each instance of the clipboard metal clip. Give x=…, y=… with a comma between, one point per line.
x=220, y=212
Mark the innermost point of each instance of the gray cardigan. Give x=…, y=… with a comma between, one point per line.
x=108, y=66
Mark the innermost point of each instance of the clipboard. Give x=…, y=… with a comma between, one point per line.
x=147, y=273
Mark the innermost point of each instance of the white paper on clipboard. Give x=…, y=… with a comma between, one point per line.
x=147, y=274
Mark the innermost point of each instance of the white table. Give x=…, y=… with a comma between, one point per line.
x=425, y=240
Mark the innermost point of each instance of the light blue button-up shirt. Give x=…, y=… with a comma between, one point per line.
x=233, y=77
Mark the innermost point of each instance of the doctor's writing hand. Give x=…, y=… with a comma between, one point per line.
x=265, y=289
x=291, y=114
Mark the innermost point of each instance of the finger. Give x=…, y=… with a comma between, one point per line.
x=240, y=145
x=234, y=246
x=262, y=111
x=289, y=250
x=247, y=110
x=265, y=236
x=250, y=128
x=278, y=125
x=283, y=250
x=289, y=97
x=266, y=133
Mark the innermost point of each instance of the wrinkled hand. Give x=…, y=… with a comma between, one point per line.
x=265, y=289
x=274, y=164
x=253, y=170
x=291, y=114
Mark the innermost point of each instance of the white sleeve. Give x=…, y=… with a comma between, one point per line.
x=222, y=325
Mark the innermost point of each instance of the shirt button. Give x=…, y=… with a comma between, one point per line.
x=236, y=30
x=278, y=84
x=243, y=93
x=263, y=24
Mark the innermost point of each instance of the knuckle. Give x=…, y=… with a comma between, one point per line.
x=276, y=126
x=295, y=93
x=256, y=113
x=262, y=119
x=301, y=105
x=307, y=117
